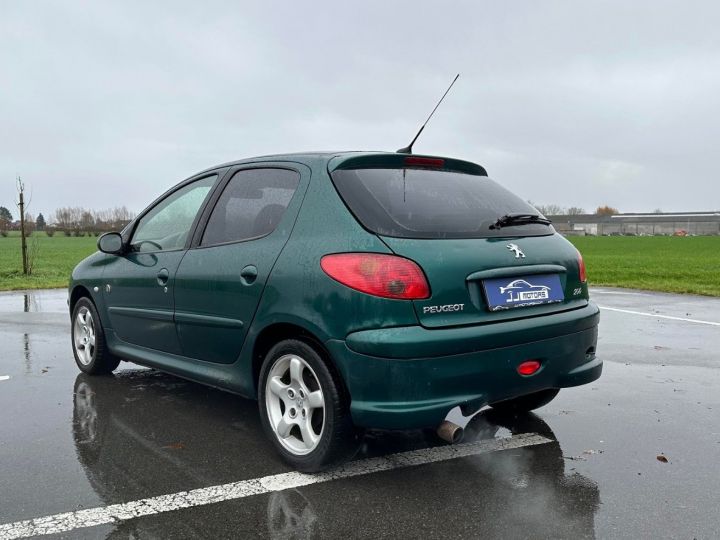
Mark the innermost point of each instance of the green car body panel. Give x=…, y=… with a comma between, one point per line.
x=405, y=363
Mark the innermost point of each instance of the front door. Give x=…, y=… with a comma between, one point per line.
x=219, y=283
x=139, y=285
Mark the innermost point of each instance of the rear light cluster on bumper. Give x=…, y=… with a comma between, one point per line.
x=386, y=276
x=529, y=367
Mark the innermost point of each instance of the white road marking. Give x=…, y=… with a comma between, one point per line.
x=91, y=517
x=697, y=321
x=4, y=377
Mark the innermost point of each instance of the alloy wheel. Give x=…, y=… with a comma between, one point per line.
x=84, y=336
x=295, y=404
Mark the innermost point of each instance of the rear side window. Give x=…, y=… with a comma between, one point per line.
x=251, y=205
x=422, y=203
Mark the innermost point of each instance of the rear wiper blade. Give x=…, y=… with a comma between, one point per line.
x=519, y=219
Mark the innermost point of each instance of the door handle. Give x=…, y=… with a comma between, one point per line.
x=248, y=275
x=163, y=276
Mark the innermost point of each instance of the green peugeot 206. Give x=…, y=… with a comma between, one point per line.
x=342, y=290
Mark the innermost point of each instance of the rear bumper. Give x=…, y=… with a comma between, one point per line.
x=410, y=377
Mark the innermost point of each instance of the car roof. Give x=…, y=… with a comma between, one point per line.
x=290, y=156
x=352, y=159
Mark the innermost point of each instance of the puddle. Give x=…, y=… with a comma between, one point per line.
x=42, y=301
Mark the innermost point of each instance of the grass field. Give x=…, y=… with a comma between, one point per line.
x=671, y=264
x=56, y=258
x=659, y=263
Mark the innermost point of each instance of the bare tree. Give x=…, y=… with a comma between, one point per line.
x=62, y=218
x=575, y=211
x=87, y=221
x=77, y=220
x=29, y=223
x=103, y=219
x=550, y=209
x=121, y=216
x=23, y=238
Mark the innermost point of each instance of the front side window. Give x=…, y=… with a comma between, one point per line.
x=251, y=205
x=167, y=225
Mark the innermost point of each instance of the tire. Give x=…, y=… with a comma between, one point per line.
x=526, y=403
x=304, y=407
x=88, y=340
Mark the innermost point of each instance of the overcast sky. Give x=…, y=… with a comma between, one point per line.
x=573, y=103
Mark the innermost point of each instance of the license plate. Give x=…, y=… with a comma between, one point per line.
x=523, y=291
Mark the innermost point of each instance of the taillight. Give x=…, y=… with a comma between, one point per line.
x=581, y=265
x=388, y=276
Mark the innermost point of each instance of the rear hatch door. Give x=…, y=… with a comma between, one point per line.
x=443, y=215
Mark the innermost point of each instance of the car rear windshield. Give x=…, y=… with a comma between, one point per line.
x=422, y=203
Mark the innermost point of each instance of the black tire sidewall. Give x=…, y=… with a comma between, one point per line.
x=338, y=432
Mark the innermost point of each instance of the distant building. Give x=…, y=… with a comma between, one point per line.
x=640, y=224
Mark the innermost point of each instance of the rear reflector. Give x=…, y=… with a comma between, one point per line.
x=529, y=367
x=414, y=161
x=387, y=276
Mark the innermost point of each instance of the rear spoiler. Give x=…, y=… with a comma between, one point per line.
x=403, y=161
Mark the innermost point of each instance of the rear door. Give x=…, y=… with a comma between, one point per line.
x=220, y=281
x=140, y=284
x=443, y=219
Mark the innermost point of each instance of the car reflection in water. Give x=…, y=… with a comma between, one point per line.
x=142, y=433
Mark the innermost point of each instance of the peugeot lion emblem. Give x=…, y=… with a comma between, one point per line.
x=516, y=250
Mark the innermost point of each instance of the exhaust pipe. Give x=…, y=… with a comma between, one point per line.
x=450, y=432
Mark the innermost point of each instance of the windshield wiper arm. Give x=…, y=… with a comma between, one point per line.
x=519, y=219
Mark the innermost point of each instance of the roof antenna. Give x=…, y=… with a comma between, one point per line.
x=408, y=148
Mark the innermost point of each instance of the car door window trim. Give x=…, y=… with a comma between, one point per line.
x=220, y=188
x=219, y=175
x=129, y=231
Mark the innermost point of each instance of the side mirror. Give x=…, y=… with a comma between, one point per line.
x=111, y=243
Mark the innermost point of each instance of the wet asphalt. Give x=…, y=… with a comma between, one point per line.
x=68, y=442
